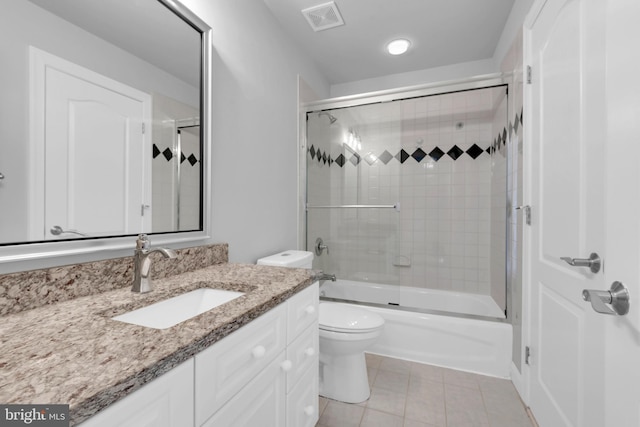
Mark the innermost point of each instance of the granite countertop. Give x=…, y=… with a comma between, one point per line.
x=73, y=353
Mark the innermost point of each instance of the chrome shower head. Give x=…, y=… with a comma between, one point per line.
x=332, y=118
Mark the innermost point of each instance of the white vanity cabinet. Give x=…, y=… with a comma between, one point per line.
x=166, y=401
x=265, y=374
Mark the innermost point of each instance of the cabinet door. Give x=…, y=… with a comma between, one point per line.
x=302, y=311
x=261, y=403
x=166, y=401
x=302, y=401
x=226, y=367
x=303, y=354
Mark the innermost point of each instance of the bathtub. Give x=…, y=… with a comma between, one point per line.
x=455, y=330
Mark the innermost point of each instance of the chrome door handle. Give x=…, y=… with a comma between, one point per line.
x=56, y=230
x=593, y=262
x=617, y=297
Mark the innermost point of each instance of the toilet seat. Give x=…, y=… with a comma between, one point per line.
x=336, y=317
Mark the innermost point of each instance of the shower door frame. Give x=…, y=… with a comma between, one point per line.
x=437, y=88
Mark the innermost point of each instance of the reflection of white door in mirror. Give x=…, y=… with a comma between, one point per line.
x=91, y=128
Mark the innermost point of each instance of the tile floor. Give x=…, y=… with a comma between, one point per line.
x=409, y=394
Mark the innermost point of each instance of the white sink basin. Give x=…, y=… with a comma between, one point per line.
x=170, y=312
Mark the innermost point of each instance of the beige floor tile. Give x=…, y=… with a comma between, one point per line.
x=419, y=386
x=504, y=404
x=410, y=394
x=501, y=420
x=427, y=406
x=395, y=365
x=387, y=401
x=322, y=403
x=393, y=381
x=428, y=372
x=373, y=418
x=413, y=423
x=460, y=417
x=460, y=378
x=373, y=360
x=463, y=397
x=338, y=414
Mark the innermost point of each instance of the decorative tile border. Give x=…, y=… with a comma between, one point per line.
x=167, y=153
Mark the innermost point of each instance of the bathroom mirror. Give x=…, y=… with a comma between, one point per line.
x=101, y=130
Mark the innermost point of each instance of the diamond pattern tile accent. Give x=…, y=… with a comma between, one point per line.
x=355, y=159
x=455, y=152
x=418, y=155
x=385, y=157
x=340, y=160
x=168, y=154
x=474, y=151
x=436, y=154
x=370, y=158
x=156, y=151
x=192, y=160
x=312, y=151
x=402, y=156
x=182, y=158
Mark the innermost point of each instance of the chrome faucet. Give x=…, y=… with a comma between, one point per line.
x=326, y=276
x=142, y=263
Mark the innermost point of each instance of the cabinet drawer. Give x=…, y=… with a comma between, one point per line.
x=302, y=401
x=303, y=354
x=303, y=311
x=224, y=368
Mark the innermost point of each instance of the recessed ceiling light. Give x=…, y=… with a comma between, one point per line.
x=398, y=47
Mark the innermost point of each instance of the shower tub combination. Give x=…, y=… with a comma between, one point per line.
x=455, y=330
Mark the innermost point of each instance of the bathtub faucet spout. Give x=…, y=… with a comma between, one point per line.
x=326, y=276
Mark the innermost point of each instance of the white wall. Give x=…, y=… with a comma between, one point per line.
x=254, y=125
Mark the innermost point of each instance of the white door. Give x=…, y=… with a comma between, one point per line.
x=96, y=164
x=574, y=176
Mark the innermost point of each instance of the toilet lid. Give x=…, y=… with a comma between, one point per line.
x=341, y=318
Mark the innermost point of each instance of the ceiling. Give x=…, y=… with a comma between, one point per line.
x=442, y=32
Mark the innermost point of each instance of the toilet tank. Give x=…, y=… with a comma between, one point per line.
x=292, y=259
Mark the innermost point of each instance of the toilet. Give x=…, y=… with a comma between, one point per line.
x=345, y=333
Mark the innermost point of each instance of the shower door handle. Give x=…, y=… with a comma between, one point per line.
x=593, y=262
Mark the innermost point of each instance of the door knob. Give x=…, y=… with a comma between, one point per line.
x=593, y=262
x=617, y=297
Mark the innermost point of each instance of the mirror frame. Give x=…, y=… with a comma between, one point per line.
x=29, y=256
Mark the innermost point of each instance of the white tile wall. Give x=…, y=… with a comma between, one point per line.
x=444, y=226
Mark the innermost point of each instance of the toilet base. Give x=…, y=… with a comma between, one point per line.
x=344, y=378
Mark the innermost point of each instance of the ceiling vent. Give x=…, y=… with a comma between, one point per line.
x=323, y=16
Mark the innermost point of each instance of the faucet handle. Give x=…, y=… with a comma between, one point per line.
x=142, y=242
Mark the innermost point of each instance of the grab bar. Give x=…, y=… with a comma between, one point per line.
x=396, y=207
